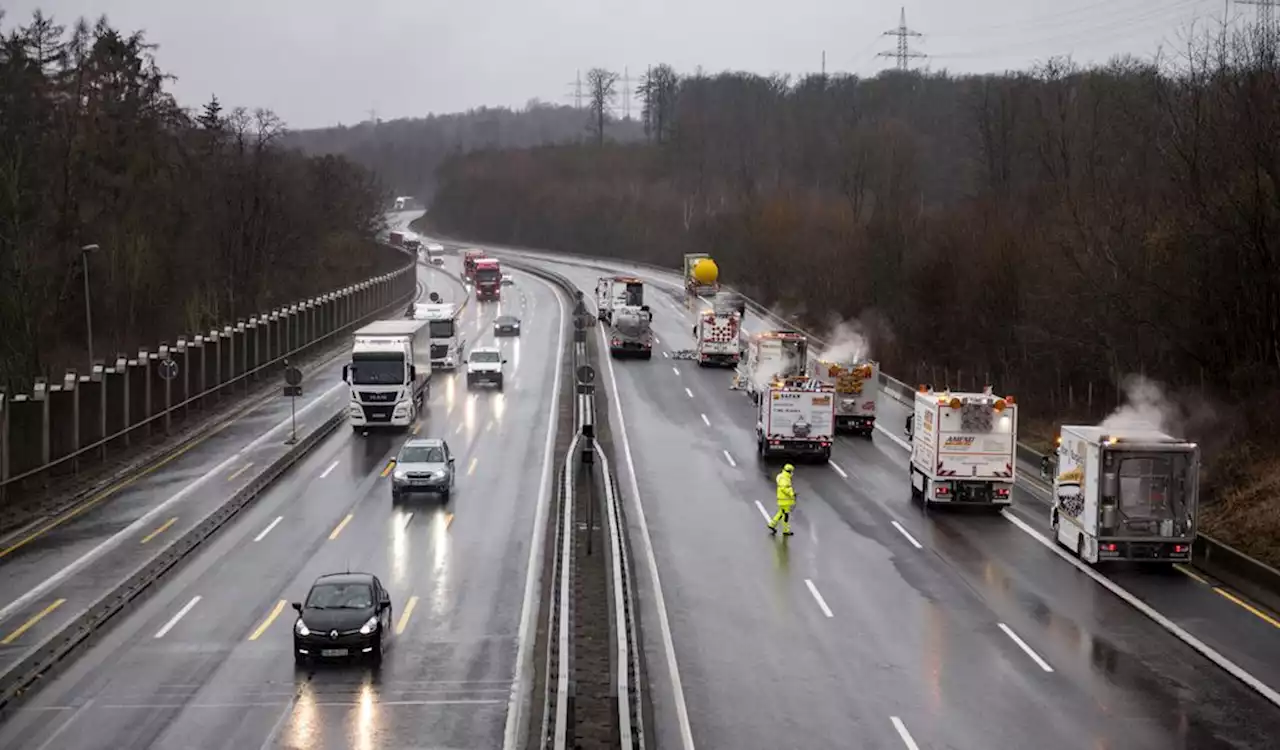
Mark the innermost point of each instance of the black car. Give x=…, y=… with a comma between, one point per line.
x=345, y=614
x=506, y=325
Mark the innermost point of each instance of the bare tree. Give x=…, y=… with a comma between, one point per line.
x=602, y=89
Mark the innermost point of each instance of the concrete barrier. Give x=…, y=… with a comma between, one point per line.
x=66, y=427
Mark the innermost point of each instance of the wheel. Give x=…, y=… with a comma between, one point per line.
x=1080, y=546
x=375, y=656
x=648, y=354
x=499, y=383
x=444, y=494
x=395, y=496
x=826, y=455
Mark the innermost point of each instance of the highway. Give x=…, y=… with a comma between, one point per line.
x=878, y=625
x=206, y=660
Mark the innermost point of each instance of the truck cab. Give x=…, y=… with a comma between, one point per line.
x=389, y=373
x=771, y=355
x=434, y=253
x=469, y=258
x=446, y=342
x=488, y=280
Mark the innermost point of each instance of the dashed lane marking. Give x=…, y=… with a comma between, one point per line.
x=903, y=733
x=1022, y=645
x=160, y=530
x=332, y=466
x=262, y=534
x=236, y=474
x=904, y=532
x=706, y=421
x=408, y=612
x=174, y=620
x=837, y=469
x=24, y=627
x=341, y=525
x=689, y=392
x=818, y=596
x=729, y=458
x=271, y=617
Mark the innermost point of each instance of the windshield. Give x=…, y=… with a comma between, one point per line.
x=377, y=369
x=507, y=320
x=486, y=274
x=340, y=596
x=634, y=294
x=485, y=357
x=422, y=455
x=441, y=329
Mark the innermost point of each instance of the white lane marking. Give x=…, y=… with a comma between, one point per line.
x=147, y=520
x=839, y=470
x=821, y=602
x=267, y=530
x=901, y=443
x=903, y=733
x=651, y=561
x=169, y=625
x=729, y=458
x=407, y=519
x=706, y=421
x=763, y=512
x=1022, y=644
x=332, y=466
x=686, y=390
x=1212, y=654
x=910, y=538
x=675, y=370
x=666, y=354
x=528, y=610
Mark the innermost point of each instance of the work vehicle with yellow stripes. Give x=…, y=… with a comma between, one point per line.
x=963, y=448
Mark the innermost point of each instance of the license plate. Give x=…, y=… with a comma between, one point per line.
x=333, y=652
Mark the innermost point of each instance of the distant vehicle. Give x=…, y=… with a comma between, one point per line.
x=423, y=465
x=856, y=384
x=469, y=258
x=446, y=344
x=796, y=417
x=770, y=355
x=506, y=325
x=630, y=332
x=613, y=292
x=434, y=253
x=396, y=238
x=488, y=280
x=718, y=338
x=344, y=615
x=389, y=373
x=507, y=279
x=484, y=365
x=963, y=448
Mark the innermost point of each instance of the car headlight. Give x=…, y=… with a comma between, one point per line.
x=369, y=626
x=399, y=474
x=300, y=628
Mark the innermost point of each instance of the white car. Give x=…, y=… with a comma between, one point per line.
x=484, y=365
x=507, y=279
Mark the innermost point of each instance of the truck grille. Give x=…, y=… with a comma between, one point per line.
x=377, y=413
x=377, y=396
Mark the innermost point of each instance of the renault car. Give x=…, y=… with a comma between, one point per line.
x=344, y=615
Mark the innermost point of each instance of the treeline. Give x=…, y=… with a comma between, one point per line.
x=406, y=153
x=1051, y=231
x=190, y=220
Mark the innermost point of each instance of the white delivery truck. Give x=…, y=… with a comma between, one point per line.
x=770, y=355
x=963, y=448
x=617, y=291
x=856, y=384
x=389, y=373
x=1125, y=494
x=434, y=253
x=718, y=337
x=446, y=343
x=796, y=418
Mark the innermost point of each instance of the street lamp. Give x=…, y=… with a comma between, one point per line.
x=88, y=309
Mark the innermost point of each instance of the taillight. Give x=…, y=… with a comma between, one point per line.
x=940, y=490
x=1108, y=547
x=1002, y=492
x=1181, y=549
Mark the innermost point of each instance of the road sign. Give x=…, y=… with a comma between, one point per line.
x=168, y=369
x=293, y=376
x=293, y=390
x=586, y=374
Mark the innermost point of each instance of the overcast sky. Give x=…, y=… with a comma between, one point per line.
x=324, y=62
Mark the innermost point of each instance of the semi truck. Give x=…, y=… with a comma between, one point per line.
x=389, y=373
x=446, y=344
x=963, y=448
x=856, y=384
x=718, y=337
x=691, y=283
x=630, y=332
x=770, y=355
x=488, y=279
x=469, y=258
x=617, y=291
x=796, y=418
x=1125, y=493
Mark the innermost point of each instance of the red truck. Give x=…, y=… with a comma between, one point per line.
x=469, y=259
x=488, y=279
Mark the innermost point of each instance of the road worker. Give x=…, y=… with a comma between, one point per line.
x=786, y=501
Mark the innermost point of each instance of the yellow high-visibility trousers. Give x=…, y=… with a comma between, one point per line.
x=783, y=515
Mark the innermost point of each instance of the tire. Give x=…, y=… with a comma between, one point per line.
x=648, y=355
x=445, y=494
x=499, y=383
x=375, y=656
x=826, y=456
x=395, y=496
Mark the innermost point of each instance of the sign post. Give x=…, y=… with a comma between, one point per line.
x=292, y=389
x=168, y=371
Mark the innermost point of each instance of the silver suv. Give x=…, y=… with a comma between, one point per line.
x=423, y=465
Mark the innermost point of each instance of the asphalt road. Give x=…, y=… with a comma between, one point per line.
x=878, y=625
x=206, y=661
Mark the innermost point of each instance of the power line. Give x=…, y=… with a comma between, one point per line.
x=904, y=52
x=1266, y=12
x=575, y=92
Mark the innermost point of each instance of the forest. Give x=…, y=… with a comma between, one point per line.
x=179, y=220
x=1059, y=233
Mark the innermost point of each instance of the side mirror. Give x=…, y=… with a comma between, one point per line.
x=504, y=361
x=298, y=607
x=413, y=372
x=346, y=369
x=451, y=459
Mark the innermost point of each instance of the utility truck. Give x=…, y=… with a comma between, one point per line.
x=389, y=373
x=630, y=332
x=617, y=291
x=770, y=355
x=1125, y=493
x=469, y=258
x=446, y=344
x=718, y=337
x=856, y=384
x=691, y=283
x=796, y=418
x=488, y=279
x=435, y=254
x=963, y=448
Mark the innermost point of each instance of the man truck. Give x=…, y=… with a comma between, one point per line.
x=389, y=373
x=856, y=384
x=796, y=418
x=1126, y=493
x=963, y=448
x=488, y=280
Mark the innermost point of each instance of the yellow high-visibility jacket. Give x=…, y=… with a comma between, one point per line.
x=786, y=495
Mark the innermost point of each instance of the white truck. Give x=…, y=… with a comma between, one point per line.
x=630, y=332
x=963, y=448
x=446, y=344
x=434, y=253
x=856, y=384
x=617, y=291
x=1125, y=494
x=768, y=356
x=718, y=337
x=389, y=373
x=796, y=418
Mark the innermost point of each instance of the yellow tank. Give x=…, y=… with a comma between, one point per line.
x=706, y=271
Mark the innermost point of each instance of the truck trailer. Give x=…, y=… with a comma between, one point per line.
x=856, y=384
x=963, y=448
x=469, y=258
x=691, y=283
x=389, y=373
x=718, y=337
x=617, y=291
x=796, y=418
x=1125, y=494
